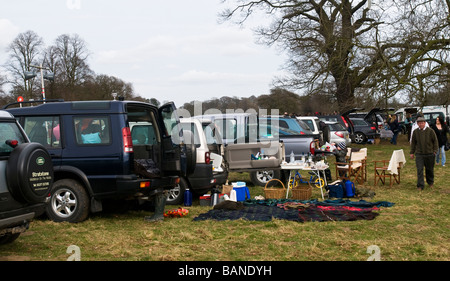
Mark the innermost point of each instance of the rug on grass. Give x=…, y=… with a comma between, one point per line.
x=300, y=211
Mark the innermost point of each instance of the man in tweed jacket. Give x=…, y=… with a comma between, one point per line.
x=424, y=145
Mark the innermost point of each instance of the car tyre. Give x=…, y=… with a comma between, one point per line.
x=360, y=138
x=69, y=202
x=176, y=195
x=260, y=178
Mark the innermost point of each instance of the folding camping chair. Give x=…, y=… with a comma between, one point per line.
x=364, y=163
x=389, y=168
x=354, y=169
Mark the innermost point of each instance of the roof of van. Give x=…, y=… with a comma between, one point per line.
x=75, y=107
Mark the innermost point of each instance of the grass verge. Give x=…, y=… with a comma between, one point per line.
x=415, y=229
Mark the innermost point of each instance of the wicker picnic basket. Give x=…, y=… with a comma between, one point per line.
x=302, y=192
x=274, y=192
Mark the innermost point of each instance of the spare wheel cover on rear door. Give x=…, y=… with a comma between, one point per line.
x=29, y=173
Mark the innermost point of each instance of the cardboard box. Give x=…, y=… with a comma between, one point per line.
x=226, y=189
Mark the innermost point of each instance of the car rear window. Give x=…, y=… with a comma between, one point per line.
x=359, y=122
x=9, y=131
x=336, y=127
x=192, y=128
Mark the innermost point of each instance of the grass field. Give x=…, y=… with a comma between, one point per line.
x=416, y=228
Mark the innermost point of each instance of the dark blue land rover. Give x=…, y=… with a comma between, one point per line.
x=106, y=150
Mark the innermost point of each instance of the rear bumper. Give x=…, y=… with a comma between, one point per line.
x=221, y=178
x=373, y=135
x=19, y=217
x=145, y=186
x=202, y=178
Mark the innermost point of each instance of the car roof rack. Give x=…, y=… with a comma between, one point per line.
x=32, y=101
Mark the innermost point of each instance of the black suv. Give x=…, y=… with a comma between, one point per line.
x=105, y=150
x=26, y=179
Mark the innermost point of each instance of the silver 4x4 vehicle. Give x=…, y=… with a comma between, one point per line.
x=26, y=177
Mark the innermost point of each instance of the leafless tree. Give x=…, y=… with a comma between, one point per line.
x=68, y=57
x=350, y=44
x=23, y=52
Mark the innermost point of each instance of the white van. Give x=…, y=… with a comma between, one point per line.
x=430, y=112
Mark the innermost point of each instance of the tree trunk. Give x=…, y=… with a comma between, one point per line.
x=344, y=93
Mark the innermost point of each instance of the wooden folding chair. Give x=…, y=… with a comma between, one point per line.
x=364, y=162
x=389, y=168
x=354, y=169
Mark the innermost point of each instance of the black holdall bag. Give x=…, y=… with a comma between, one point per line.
x=336, y=189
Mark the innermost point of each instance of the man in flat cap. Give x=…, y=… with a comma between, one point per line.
x=424, y=145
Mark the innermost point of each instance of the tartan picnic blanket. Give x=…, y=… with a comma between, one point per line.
x=300, y=211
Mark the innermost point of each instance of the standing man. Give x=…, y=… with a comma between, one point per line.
x=424, y=144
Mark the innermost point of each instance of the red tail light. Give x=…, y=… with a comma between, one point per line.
x=345, y=122
x=339, y=134
x=373, y=128
x=207, y=158
x=12, y=143
x=127, y=141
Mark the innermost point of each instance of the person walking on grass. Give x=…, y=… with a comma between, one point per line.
x=441, y=130
x=424, y=146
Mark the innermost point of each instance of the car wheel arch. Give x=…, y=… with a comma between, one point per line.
x=70, y=172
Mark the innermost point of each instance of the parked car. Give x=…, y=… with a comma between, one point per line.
x=107, y=150
x=295, y=134
x=430, y=113
x=206, y=175
x=374, y=116
x=364, y=130
x=338, y=133
x=241, y=138
x=342, y=119
x=26, y=181
x=314, y=124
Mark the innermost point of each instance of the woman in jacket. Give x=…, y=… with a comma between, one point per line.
x=441, y=130
x=395, y=128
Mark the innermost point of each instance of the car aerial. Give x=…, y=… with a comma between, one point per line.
x=26, y=181
x=107, y=151
x=364, y=130
x=338, y=133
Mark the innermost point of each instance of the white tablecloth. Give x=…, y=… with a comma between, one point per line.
x=397, y=159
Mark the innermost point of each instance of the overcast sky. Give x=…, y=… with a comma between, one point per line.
x=169, y=50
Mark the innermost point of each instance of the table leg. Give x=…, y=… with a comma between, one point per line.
x=325, y=178
x=289, y=180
